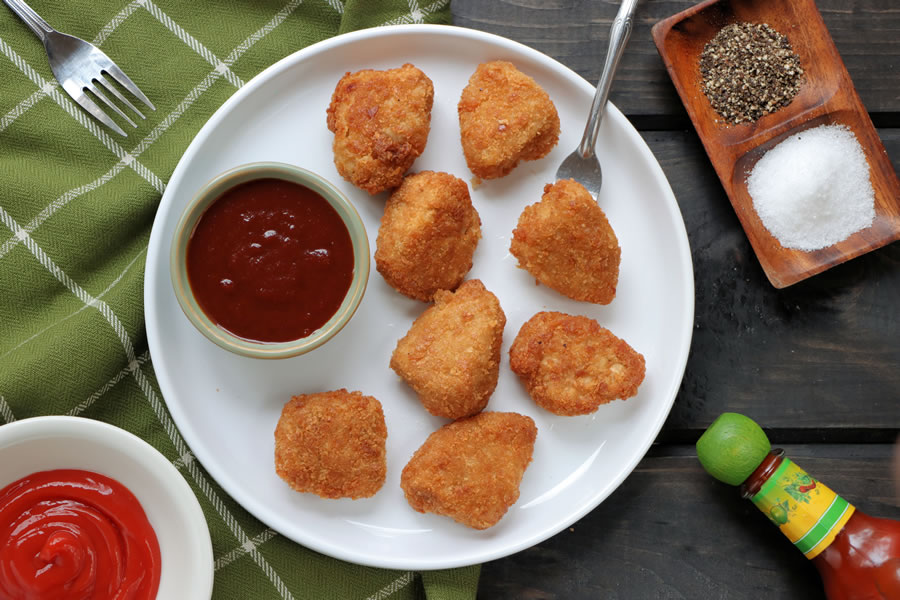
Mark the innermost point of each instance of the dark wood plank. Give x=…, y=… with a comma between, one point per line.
x=671, y=531
x=575, y=32
x=820, y=359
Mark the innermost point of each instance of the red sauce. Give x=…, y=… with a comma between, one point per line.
x=863, y=561
x=75, y=535
x=270, y=261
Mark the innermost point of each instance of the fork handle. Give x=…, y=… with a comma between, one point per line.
x=39, y=26
x=619, y=33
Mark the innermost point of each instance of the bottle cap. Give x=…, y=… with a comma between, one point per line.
x=732, y=447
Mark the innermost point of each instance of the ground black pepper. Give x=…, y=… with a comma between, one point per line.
x=749, y=70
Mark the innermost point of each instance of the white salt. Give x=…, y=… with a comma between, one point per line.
x=813, y=190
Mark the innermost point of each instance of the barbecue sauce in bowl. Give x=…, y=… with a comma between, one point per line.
x=270, y=261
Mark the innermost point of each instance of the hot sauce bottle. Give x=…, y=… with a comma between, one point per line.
x=858, y=556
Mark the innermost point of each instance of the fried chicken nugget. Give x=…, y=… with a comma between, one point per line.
x=470, y=470
x=451, y=354
x=428, y=235
x=332, y=444
x=380, y=121
x=566, y=243
x=571, y=365
x=504, y=117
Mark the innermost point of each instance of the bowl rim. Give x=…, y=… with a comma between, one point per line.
x=150, y=460
x=196, y=208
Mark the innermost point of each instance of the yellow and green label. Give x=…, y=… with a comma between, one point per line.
x=805, y=510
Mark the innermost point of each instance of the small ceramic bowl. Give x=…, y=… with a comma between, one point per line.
x=56, y=442
x=206, y=197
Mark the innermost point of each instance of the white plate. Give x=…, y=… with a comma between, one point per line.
x=57, y=442
x=227, y=406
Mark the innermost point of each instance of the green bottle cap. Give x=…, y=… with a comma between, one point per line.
x=732, y=447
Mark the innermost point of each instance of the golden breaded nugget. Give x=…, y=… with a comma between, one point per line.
x=332, y=444
x=470, y=470
x=567, y=244
x=451, y=354
x=571, y=365
x=380, y=121
x=428, y=235
x=504, y=117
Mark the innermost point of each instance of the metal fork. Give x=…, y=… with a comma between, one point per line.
x=583, y=165
x=81, y=67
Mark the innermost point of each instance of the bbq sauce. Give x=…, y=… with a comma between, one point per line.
x=270, y=261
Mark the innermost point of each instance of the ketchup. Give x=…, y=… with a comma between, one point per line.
x=858, y=557
x=75, y=535
x=270, y=261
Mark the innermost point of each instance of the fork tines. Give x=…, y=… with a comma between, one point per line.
x=82, y=67
x=100, y=80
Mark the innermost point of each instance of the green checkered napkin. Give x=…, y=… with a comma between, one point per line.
x=76, y=208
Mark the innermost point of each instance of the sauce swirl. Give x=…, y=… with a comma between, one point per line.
x=75, y=535
x=270, y=260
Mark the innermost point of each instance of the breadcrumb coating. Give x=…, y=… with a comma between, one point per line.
x=332, y=444
x=566, y=243
x=470, y=470
x=428, y=235
x=504, y=117
x=451, y=354
x=571, y=365
x=380, y=121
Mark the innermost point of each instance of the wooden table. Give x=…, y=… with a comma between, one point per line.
x=817, y=364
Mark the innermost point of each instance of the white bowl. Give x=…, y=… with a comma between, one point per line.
x=56, y=442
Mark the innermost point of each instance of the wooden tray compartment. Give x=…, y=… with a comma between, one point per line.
x=827, y=96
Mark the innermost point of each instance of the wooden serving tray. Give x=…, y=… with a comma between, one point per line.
x=826, y=97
